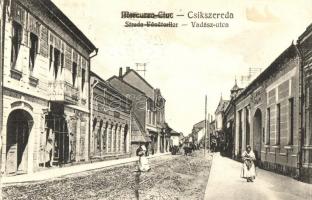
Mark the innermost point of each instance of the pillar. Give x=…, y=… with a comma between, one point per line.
x=122, y=147
x=108, y=132
x=78, y=140
x=101, y=139
x=128, y=140
x=244, y=119
x=158, y=143
x=237, y=134
x=86, y=150
x=251, y=131
x=112, y=138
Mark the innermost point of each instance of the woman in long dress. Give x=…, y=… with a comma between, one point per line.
x=249, y=170
x=143, y=161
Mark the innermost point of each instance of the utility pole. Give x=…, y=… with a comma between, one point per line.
x=205, y=126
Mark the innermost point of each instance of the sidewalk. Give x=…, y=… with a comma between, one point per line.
x=63, y=171
x=225, y=183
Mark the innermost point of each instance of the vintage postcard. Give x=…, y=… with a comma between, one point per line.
x=156, y=100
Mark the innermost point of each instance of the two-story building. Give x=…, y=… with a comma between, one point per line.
x=46, y=64
x=153, y=124
x=138, y=111
x=110, y=135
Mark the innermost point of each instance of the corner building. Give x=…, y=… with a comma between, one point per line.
x=45, y=88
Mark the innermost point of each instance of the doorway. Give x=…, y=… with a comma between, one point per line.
x=19, y=126
x=257, y=133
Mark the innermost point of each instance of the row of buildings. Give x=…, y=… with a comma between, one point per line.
x=49, y=94
x=273, y=114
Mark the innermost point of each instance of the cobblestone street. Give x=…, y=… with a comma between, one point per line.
x=171, y=177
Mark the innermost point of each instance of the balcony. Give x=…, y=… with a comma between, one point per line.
x=62, y=91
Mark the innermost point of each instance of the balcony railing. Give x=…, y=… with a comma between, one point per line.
x=63, y=92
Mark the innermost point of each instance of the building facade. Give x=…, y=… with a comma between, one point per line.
x=198, y=133
x=149, y=109
x=229, y=123
x=267, y=115
x=110, y=135
x=2, y=6
x=45, y=88
x=305, y=160
x=138, y=117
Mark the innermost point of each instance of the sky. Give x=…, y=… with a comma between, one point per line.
x=188, y=63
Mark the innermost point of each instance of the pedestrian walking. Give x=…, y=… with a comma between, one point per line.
x=248, y=169
x=143, y=161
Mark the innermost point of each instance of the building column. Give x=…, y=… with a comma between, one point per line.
x=30, y=148
x=251, y=131
x=158, y=143
x=78, y=140
x=86, y=150
x=244, y=119
x=128, y=141
x=108, y=132
x=122, y=147
x=112, y=138
x=237, y=134
x=116, y=139
x=101, y=139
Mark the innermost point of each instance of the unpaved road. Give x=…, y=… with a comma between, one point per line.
x=171, y=177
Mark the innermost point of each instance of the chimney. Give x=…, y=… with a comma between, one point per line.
x=120, y=72
x=127, y=69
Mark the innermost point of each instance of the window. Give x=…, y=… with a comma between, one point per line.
x=33, y=51
x=268, y=126
x=278, y=124
x=56, y=62
x=291, y=122
x=16, y=42
x=51, y=56
x=74, y=73
x=83, y=78
x=62, y=61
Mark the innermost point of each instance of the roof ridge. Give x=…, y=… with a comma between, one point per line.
x=136, y=73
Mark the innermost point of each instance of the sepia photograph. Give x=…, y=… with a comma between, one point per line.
x=155, y=100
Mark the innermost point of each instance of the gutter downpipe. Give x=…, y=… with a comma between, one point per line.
x=301, y=113
x=91, y=87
